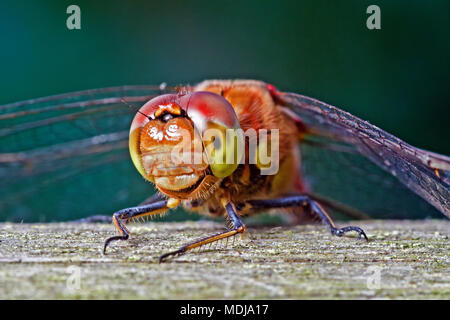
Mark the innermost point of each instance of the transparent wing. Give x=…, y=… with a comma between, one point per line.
x=357, y=163
x=67, y=155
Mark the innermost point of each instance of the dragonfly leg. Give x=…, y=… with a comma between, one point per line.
x=309, y=204
x=236, y=226
x=120, y=218
x=109, y=219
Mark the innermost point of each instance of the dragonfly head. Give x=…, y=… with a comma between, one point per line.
x=177, y=140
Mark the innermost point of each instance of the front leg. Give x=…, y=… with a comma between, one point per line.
x=237, y=226
x=123, y=216
x=309, y=204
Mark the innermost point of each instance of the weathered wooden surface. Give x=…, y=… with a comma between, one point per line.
x=45, y=261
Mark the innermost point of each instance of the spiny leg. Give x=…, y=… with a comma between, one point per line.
x=237, y=226
x=123, y=216
x=310, y=204
x=109, y=219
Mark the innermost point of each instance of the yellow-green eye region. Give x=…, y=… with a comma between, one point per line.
x=225, y=149
x=133, y=144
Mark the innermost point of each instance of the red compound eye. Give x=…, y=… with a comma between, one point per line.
x=203, y=107
x=212, y=114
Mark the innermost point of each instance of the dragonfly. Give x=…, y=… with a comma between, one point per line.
x=68, y=156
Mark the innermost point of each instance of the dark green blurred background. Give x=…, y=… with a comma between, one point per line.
x=397, y=77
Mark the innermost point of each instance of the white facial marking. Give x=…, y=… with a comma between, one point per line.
x=172, y=132
x=155, y=134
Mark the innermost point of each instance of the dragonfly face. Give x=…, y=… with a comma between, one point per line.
x=167, y=142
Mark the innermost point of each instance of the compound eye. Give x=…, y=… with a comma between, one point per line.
x=204, y=106
x=216, y=121
x=224, y=149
